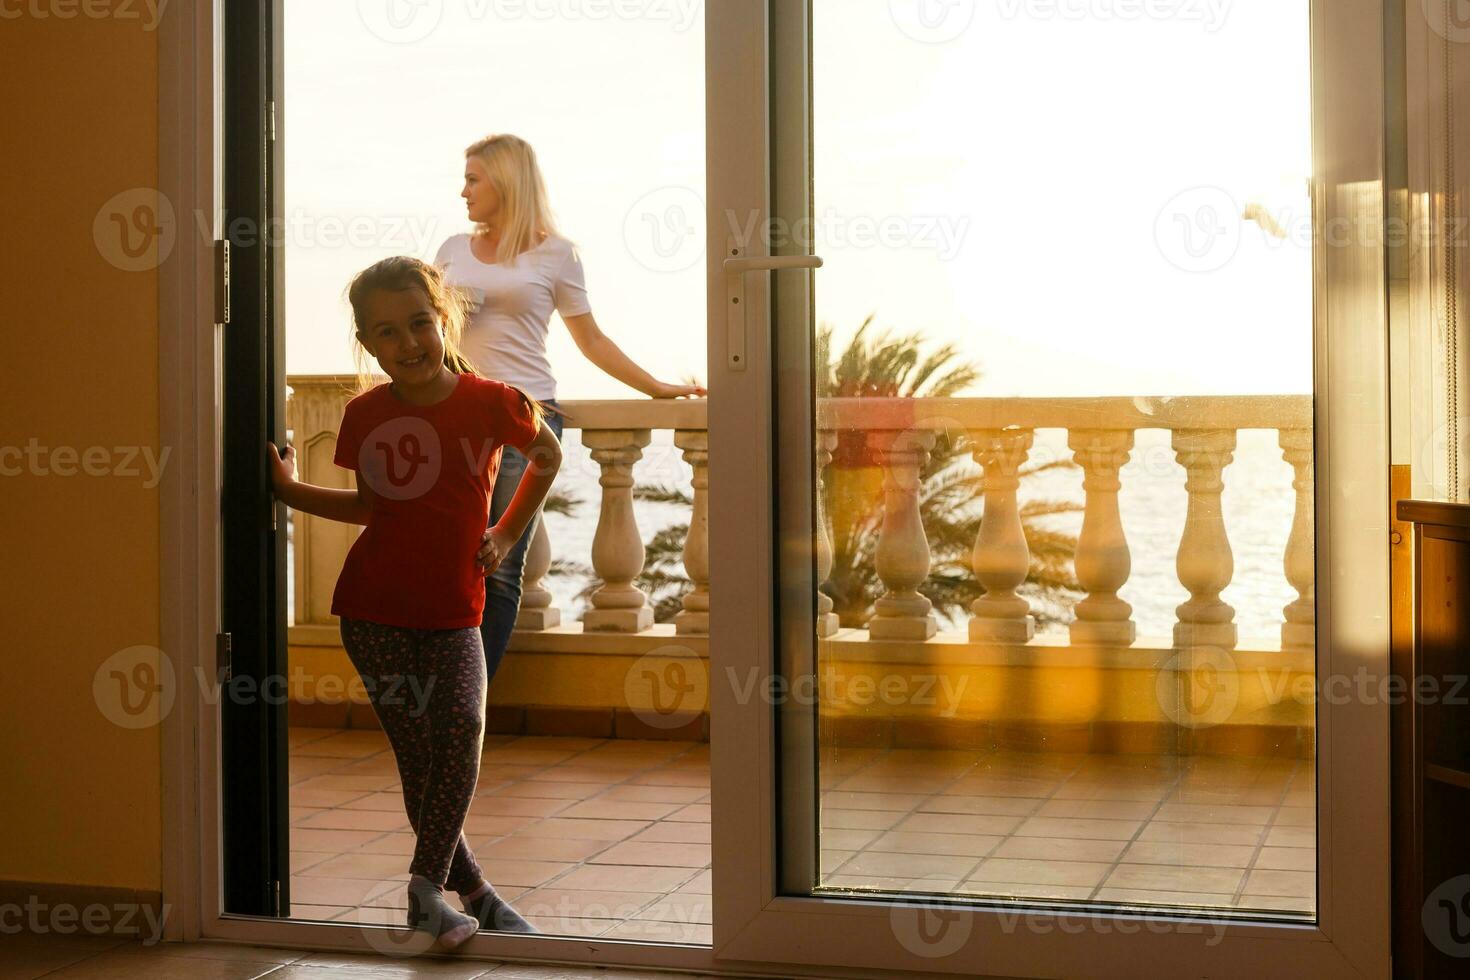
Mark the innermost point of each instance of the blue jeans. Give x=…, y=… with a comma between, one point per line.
x=503, y=586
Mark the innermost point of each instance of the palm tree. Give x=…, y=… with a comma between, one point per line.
x=950, y=501
x=951, y=487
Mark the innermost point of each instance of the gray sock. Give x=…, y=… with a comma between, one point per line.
x=428, y=911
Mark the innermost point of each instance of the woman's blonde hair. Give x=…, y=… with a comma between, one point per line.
x=405, y=272
x=525, y=212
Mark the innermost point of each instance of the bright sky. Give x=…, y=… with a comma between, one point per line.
x=1054, y=184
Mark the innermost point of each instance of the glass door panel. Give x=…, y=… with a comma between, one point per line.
x=1055, y=529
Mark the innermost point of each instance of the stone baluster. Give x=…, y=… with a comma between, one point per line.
x=1299, y=632
x=902, y=558
x=618, y=606
x=826, y=619
x=1103, y=561
x=319, y=546
x=1205, y=564
x=694, y=617
x=537, y=612
x=1001, y=559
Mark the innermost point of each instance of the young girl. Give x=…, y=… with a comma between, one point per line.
x=425, y=447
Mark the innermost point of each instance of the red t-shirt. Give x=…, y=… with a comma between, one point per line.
x=431, y=469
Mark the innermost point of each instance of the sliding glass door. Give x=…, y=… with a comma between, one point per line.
x=1029, y=428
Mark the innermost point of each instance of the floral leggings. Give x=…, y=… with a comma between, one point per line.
x=427, y=688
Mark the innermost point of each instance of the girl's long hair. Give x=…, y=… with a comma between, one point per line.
x=397, y=273
x=525, y=212
x=405, y=272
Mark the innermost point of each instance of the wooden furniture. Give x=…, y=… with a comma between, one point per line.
x=1431, y=751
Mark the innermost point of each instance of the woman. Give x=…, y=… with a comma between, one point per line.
x=515, y=269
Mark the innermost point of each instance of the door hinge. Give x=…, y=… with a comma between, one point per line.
x=223, y=657
x=270, y=121
x=221, y=282
x=276, y=895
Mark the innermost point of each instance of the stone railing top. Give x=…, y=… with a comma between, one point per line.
x=1121, y=412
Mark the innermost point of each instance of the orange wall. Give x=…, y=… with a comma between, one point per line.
x=79, y=795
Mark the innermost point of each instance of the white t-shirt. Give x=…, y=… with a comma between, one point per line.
x=505, y=335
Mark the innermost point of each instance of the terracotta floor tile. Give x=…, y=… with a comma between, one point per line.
x=585, y=903
x=381, y=821
x=1160, y=877
x=968, y=845
x=657, y=855
x=335, y=841
x=605, y=809
x=624, y=878
x=1059, y=849
x=522, y=848
x=1287, y=859
x=1200, y=833
x=958, y=823
x=999, y=806
x=1073, y=873
x=674, y=833
x=604, y=830
x=1292, y=884
x=1183, y=854
x=1078, y=828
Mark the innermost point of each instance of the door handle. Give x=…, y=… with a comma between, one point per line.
x=735, y=270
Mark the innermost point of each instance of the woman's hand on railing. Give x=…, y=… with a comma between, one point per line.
x=678, y=391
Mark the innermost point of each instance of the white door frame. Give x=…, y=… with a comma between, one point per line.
x=1351, y=937
x=755, y=930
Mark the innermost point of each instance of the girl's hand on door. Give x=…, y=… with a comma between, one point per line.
x=283, y=469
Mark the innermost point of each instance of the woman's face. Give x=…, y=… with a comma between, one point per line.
x=481, y=201
x=401, y=330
